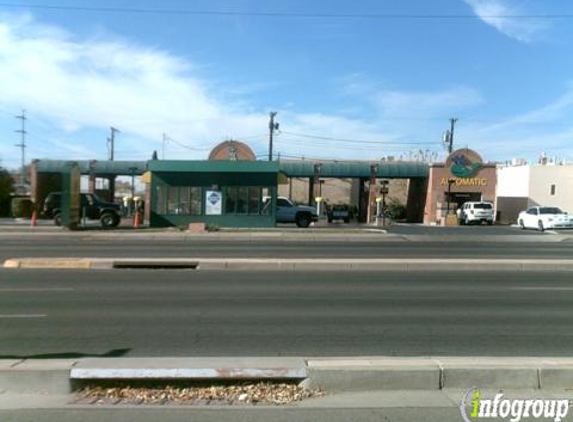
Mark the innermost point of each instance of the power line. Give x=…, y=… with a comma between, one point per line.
x=356, y=141
x=330, y=146
x=182, y=145
x=406, y=16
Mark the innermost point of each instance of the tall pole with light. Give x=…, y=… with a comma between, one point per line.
x=384, y=191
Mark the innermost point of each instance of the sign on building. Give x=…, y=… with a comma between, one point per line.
x=213, y=202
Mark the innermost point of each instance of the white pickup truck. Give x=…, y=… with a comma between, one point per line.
x=288, y=212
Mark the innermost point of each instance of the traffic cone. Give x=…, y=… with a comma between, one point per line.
x=136, y=220
x=33, y=221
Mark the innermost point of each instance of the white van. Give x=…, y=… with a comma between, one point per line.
x=472, y=212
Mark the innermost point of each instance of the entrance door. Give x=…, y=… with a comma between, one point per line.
x=459, y=198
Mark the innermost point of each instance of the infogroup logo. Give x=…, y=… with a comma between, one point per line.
x=475, y=407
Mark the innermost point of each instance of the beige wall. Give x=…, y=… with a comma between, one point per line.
x=541, y=179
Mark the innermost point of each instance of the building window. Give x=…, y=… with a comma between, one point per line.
x=552, y=190
x=231, y=200
x=161, y=200
x=254, y=200
x=196, y=201
x=243, y=200
x=175, y=200
x=190, y=200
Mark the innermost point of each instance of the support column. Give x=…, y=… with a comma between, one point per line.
x=311, y=190
x=92, y=178
x=111, y=188
x=316, y=183
x=362, y=201
x=371, y=208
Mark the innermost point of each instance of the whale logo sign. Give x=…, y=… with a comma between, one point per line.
x=214, y=198
x=464, y=163
x=213, y=202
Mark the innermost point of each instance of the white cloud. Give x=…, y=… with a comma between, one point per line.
x=81, y=85
x=547, y=128
x=500, y=14
x=78, y=88
x=398, y=103
x=101, y=83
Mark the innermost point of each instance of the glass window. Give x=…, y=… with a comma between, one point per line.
x=550, y=210
x=231, y=200
x=161, y=200
x=552, y=190
x=242, y=199
x=196, y=203
x=483, y=206
x=265, y=201
x=183, y=207
x=173, y=200
x=254, y=200
x=281, y=202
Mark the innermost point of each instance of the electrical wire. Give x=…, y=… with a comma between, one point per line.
x=406, y=16
x=356, y=141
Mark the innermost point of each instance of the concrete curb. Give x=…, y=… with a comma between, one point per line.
x=298, y=264
x=189, y=368
x=330, y=374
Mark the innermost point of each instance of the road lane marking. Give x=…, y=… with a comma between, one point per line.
x=541, y=288
x=39, y=289
x=24, y=316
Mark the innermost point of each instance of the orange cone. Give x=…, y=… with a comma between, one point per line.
x=136, y=220
x=33, y=221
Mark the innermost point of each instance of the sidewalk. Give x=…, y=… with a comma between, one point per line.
x=357, y=389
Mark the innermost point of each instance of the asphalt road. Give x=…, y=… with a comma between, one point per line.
x=74, y=246
x=51, y=314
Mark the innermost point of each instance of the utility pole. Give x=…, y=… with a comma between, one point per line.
x=111, y=141
x=22, y=145
x=163, y=146
x=453, y=121
x=272, y=127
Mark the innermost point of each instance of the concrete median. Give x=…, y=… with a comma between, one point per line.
x=333, y=375
x=299, y=264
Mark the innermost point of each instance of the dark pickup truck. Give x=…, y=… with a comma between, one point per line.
x=91, y=206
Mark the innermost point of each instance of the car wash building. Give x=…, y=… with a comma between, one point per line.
x=463, y=177
x=220, y=193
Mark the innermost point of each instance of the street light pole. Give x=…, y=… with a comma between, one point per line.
x=450, y=182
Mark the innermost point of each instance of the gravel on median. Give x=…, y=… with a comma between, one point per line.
x=263, y=393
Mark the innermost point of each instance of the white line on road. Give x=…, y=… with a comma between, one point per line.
x=541, y=288
x=24, y=316
x=39, y=289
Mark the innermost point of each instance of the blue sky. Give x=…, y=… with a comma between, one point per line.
x=392, y=82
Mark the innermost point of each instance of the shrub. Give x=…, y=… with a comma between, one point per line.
x=22, y=207
x=6, y=189
x=397, y=211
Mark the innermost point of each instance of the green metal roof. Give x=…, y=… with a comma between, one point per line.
x=102, y=168
x=215, y=166
x=301, y=168
x=353, y=169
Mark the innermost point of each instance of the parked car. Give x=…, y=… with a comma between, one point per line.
x=107, y=213
x=288, y=212
x=472, y=212
x=542, y=218
x=338, y=212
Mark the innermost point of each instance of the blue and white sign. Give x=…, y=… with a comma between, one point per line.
x=213, y=202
